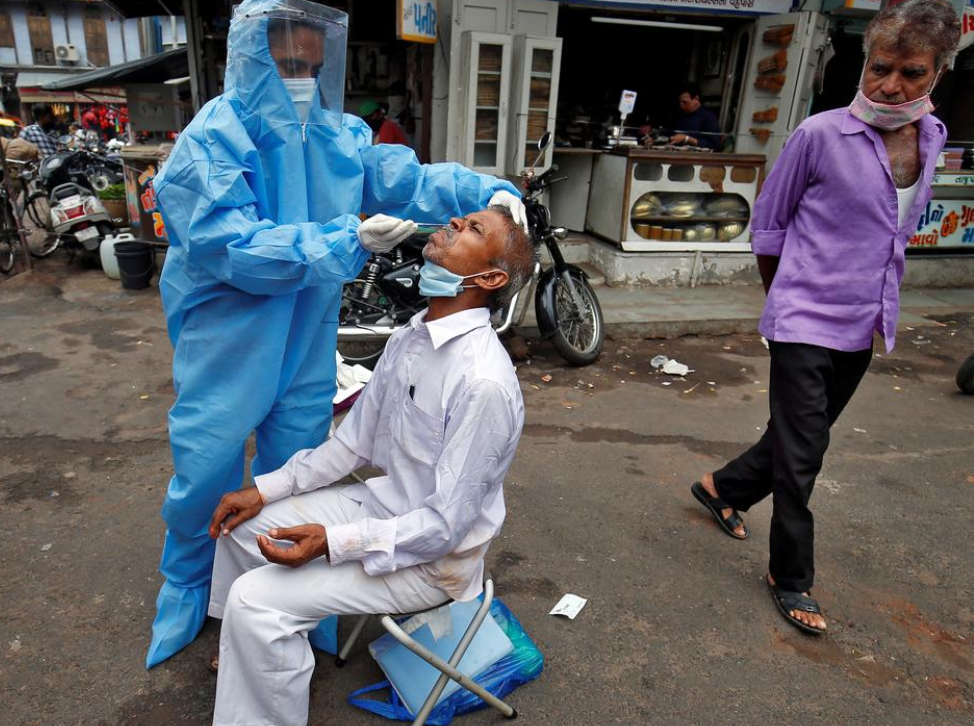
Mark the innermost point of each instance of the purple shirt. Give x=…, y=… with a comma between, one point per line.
x=828, y=209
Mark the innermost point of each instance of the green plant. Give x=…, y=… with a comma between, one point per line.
x=113, y=192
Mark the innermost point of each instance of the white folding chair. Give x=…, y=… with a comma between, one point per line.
x=447, y=668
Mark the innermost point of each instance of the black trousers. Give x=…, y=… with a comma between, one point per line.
x=810, y=385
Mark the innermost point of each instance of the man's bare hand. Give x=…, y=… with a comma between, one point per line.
x=310, y=543
x=234, y=509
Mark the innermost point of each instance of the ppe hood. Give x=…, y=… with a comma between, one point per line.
x=273, y=40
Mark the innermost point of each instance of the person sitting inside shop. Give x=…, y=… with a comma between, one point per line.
x=698, y=126
x=441, y=417
x=384, y=130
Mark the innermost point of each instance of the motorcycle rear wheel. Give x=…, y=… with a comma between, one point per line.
x=361, y=352
x=580, y=334
x=965, y=376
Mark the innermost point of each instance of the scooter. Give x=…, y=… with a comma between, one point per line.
x=386, y=294
x=78, y=217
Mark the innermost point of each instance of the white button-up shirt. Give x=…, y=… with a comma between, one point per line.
x=442, y=417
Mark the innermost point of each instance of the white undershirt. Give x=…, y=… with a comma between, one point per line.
x=905, y=198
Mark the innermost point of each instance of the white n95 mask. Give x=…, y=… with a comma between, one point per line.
x=302, y=92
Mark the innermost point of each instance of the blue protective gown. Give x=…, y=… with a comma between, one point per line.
x=261, y=214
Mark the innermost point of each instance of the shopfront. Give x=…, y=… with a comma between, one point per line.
x=641, y=187
x=946, y=227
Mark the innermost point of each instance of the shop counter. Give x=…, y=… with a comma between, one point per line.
x=648, y=200
x=947, y=223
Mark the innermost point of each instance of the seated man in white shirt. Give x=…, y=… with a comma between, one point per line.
x=441, y=417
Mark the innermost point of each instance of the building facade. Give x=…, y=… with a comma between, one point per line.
x=42, y=42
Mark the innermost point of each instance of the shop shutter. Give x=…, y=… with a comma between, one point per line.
x=96, y=41
x=6, y=31
x=41, y=40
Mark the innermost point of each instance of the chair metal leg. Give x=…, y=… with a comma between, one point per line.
x=353, y=636
x=357, y=478
x=449, y=669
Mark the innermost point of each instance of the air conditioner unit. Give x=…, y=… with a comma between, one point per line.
x=67, y=53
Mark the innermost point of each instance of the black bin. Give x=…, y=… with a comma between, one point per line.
x=135, y=264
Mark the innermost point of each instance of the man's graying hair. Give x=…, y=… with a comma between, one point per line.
x=517, y=259
x=915, y=27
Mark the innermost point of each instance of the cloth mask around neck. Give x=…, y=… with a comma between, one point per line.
x=437, y=281
x=891, y=116
x=302, y=93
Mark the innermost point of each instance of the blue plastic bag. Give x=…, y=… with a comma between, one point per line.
x=524, y=664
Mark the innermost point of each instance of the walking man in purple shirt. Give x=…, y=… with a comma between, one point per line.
x=829, y=230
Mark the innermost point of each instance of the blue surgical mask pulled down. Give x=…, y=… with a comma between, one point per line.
x=302, y=92
x=437, y=281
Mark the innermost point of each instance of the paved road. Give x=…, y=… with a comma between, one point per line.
x=678, y=630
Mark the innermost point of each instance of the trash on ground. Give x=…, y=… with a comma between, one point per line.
x=675, y=368
x=45, y=548
x=858, y=430
x=569, y=606
x=547, y=378
x=658, y=361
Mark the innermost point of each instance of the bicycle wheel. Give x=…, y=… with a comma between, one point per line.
x=8, y=238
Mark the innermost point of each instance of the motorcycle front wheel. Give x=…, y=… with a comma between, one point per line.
x=580, y=333
x=965, y=376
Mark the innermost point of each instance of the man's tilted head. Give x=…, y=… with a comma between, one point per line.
x=488, y=242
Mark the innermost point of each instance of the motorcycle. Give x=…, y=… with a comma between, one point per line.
x=78, y=216
x=386, y=294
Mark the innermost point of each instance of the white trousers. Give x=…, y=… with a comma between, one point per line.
x=267, y=610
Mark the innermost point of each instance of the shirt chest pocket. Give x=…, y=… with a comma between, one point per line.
x=420, y=434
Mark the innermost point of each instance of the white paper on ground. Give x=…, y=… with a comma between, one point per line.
x=569, y=606
x=675, y=368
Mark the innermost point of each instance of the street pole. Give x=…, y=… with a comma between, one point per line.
x=12, y=200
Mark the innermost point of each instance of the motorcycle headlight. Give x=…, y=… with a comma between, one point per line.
x=52, y=163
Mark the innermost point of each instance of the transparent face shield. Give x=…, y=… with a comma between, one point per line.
x=286, y=60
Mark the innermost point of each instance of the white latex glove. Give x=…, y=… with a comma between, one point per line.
x=381, y=233
x=513, y=203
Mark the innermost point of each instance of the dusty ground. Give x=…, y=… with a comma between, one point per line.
x=678, y=630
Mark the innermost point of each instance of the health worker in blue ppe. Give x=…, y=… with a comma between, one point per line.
x=260, y=198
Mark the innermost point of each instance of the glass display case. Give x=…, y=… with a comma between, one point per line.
x=646, y=200
x=537, y=66
x=487, y=65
